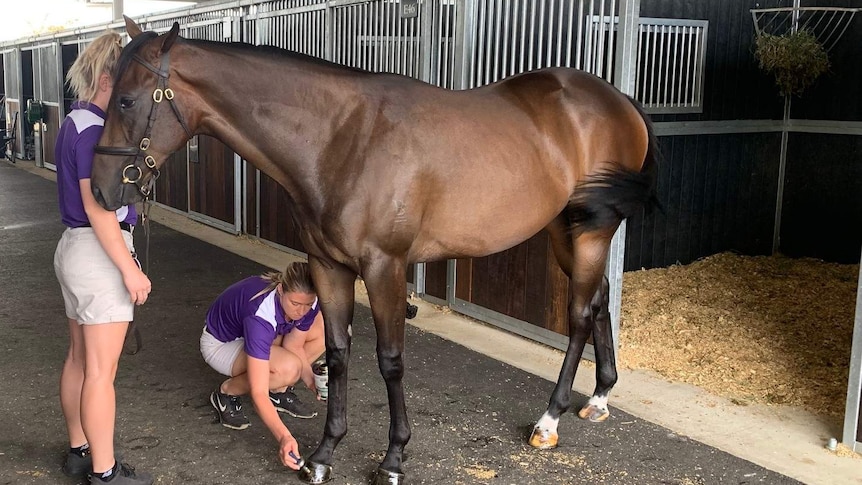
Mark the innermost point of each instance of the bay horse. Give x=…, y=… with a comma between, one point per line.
x=385, y=171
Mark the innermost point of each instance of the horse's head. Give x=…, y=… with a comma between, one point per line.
x=144, y=123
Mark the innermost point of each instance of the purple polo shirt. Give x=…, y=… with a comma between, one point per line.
x=74, y=153
x=237, y=312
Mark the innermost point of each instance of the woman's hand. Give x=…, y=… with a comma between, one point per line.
x=138, y=285
x=287, y=445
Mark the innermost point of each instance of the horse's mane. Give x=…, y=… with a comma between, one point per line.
x=271, y=51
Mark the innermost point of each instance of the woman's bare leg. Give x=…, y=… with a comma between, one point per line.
x=103, y=345
x=284, y=370
x=71, y=382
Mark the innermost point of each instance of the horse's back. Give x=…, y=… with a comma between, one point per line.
x=592, y=110
x=519, y=147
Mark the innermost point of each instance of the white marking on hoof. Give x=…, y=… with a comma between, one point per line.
x=547, y=423
x=544, y=436
x=596, y=409
x=600, y=402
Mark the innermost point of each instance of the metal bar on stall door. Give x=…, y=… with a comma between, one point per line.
x=560, y=34
x=399, y=44
x=467, y=35
x=579, y=59
x=522, y=22
x=412, y=47
x=588, y=37
x=513, y=37
x=655, y=68
x=427, y=52
x=482, y=52
x=391, y=40
x=541, y=37
x=504, y=54
x=497, y=53
x=239, y=216
x=609, y=45
x=532, y=51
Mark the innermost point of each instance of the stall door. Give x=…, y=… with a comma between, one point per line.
x=213, y=168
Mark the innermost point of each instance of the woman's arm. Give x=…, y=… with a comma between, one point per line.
x=258, y=380
x=107, y=231
x=308, y=346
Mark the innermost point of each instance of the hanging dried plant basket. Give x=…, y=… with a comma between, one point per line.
x=796, y=60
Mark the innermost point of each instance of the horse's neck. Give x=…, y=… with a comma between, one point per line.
x=276, y=114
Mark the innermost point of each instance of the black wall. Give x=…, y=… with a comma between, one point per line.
x=719, y=191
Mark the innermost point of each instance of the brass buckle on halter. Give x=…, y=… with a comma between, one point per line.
x=158, y=94
x=126, y=179
x=150, y=161
x=169, y=94
x=145, y=143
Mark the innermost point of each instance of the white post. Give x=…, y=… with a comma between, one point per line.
x=117, y=10
x=854, y=381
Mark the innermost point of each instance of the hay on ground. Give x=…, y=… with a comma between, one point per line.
x=771, y=330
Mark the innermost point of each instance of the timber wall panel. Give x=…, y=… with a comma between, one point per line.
x=211, y=189
x=172, y=184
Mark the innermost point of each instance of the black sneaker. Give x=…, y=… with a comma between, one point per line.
x=77, y=466
x=124, y=474
x=229, y=410
x=288, y=402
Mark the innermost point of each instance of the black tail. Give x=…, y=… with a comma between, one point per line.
x=613, y=194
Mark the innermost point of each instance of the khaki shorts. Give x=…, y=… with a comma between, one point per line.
x=220, y=355
x=93, y=288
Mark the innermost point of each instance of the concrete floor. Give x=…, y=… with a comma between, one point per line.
x=786, y=441
x=790, y=441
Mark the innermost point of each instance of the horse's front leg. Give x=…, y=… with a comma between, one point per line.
x=586, y=263
x=335, y=290
x=387, y=289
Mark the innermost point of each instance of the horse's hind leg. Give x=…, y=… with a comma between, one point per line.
x=585, y=265
x=387, y=289
x=596, y=410
x=335, y=290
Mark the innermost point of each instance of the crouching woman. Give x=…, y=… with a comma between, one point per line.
x=263, y=333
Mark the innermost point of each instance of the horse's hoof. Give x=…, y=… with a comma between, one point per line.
x=594, y=413
x=315, y=473
x=385, y=477
x=543, y=439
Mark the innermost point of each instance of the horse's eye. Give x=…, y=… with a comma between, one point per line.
x=126, y=103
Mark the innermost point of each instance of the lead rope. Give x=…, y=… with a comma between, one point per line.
x=145, y=221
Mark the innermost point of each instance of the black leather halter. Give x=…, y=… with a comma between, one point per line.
x=161, y=92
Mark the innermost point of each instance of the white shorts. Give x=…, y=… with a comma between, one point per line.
x=93, y=288
x=220, y=355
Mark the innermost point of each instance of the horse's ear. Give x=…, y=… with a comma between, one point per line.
x=170, y=37
x=132, y=28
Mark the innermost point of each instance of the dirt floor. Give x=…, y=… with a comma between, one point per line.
x=769, y=330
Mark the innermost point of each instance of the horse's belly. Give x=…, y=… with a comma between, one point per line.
x=467, y=227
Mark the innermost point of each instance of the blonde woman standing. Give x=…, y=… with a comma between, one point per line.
x=100, y=279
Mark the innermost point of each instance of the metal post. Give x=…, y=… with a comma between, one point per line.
x=854, y=382
x=117, y=10
x=625, y=72
x=465, y=43
x=782, y=156
x=782, y=167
